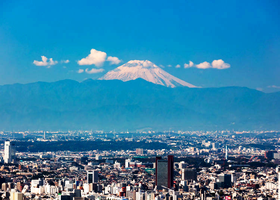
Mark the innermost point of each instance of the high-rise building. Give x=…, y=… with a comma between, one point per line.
x=164, y=172
x=226, y=156
x=92, y=176
x=161, y=172
x=269, y=154
x=224, y=181
x=189, y=174
x=127, y=161
x=170, y=171
x=4, y=187
x=9, y=151
x=214, y=146
x=16, y=195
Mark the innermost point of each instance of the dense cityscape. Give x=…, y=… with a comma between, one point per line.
x=139, y=166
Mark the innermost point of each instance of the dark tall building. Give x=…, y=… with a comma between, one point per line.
x=170, y=171
x=157, y=159
x=224, y=181
x=164, y=172
x=189, y=174
x=92, y=176
x=269, y=154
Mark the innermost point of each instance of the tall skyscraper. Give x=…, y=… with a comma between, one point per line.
x=9, y=151
x=164, y=172
x=226, y=156
x=224, y=180
x=92, y=176
x=170, y=171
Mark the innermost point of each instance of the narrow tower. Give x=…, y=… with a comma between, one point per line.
x=226, y=156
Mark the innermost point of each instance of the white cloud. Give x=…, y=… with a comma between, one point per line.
x=204, y=65
x=216, y=64
x=51, y=62
x=113, y=60
x=45, y=62
x=274, y=86
x=161, y=66
x=95, y=57
x=220, y=64
x=80, y=71
x=169, y=65
x=93, y=71
x=65, y=61
x=177, y=66
x=188, y=65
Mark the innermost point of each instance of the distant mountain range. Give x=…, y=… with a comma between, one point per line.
x=134, y=105
x=146, y=70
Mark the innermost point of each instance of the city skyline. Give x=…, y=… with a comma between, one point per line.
x=183, y=165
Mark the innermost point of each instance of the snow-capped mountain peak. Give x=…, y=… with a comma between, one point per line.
x=146, y=70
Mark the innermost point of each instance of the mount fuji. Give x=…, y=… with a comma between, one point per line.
x=146, y=70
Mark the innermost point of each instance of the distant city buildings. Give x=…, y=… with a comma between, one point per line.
x=186, y=168
x=139, y=151
x=131, y=163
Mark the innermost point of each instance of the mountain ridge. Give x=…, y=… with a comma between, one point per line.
x=133, y=105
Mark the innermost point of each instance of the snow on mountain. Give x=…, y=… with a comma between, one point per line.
x=146, y=70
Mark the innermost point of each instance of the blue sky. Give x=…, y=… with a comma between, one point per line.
x=243, y=34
